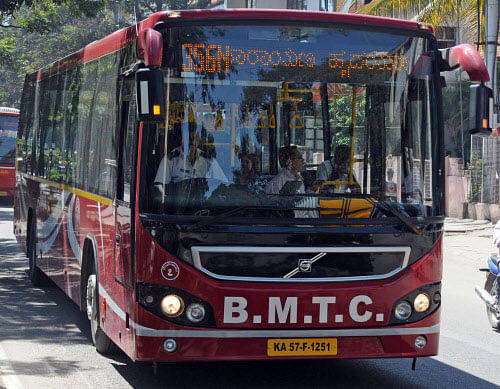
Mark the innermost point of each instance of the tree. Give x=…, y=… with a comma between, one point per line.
x=434, y=12
x=144, y=8
x=37, y=32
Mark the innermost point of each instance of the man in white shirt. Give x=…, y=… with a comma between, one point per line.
x=289, y=181
x=292, y=163
x=194, y=164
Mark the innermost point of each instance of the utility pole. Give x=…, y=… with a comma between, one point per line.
x=490, y=55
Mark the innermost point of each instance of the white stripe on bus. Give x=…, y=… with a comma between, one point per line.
x=235, y=334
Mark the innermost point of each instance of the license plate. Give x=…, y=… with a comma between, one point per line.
x=305, y=346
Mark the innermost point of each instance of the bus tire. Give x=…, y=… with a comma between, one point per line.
x=35, y=275
x=102, y=342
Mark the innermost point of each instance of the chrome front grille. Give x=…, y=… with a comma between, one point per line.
x=300, y=264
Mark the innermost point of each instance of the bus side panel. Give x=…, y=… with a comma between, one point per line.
x=113, y=291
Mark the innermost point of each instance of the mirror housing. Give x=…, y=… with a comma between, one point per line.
x=468, y=58
x=150, y=95
x=150, y=47
x=479, y=110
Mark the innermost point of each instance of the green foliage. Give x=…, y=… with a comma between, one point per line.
x=475, y=167
x=35, y=33
x=7, y=46
x=41, y=18
x=340, y=110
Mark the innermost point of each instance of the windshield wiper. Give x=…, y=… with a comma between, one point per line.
x=212, y=219
x=387, y=207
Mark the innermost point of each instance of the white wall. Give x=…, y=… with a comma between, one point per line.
x=312, y=5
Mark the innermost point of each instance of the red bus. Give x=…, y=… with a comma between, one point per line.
x=8, y=132
x=211, y=185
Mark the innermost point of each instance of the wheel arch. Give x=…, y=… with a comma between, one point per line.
x=89, y=258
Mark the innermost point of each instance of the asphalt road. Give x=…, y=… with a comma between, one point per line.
x=45, y=340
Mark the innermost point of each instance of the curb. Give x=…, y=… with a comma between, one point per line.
x=466, y=225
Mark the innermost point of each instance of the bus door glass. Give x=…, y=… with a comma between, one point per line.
x=123, y=203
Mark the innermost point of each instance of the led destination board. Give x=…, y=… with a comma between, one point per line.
x=213, y=58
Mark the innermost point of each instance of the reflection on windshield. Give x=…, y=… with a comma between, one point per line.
x=287, y=129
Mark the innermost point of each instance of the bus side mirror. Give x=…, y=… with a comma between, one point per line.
x=479, y=110
x=467, y=57
x=150, y=95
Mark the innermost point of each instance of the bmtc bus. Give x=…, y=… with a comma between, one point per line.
x=211, y=184
x=8, y=132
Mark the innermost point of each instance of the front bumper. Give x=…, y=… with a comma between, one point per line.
x=225, y=345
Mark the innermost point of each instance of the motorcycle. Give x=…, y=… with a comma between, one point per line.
x=490, y=294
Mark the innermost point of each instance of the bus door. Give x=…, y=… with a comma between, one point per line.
x=124, y=227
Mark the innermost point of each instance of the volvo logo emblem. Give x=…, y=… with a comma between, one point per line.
x=305, y=265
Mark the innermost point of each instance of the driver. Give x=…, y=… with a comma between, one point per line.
x=292, y=163
x=194, y=164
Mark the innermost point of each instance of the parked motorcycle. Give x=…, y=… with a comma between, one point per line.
x=490, y=294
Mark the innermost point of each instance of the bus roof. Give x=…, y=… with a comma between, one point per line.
x=125, y=36
x=9, y=111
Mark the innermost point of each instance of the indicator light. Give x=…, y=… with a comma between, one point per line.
x=156, y=109
x=420, y=342
x=170, y=345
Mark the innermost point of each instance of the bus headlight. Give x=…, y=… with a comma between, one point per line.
x=421, y=302
x=402, y=310
x=416, y=305
x=172, y=305
x=175, y=305
x=195, y=312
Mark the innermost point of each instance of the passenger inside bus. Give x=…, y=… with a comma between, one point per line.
x=337, y=169
x=249, y=171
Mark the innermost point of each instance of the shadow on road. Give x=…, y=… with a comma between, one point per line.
x=336, y=373
x=47, y=315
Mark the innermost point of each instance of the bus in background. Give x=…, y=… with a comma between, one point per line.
x=212, y=184
x=9, y=118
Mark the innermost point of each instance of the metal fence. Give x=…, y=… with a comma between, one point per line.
x=484, y=167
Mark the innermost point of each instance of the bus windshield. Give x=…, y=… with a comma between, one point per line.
x=8, y=133
x=293, y=121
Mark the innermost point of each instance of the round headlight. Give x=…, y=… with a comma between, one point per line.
x=195, y=312
x=402, y=310
x=172, y=305
x=422, y=302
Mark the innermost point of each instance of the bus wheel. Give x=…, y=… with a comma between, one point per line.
x=34, y=273
x=102, y=342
